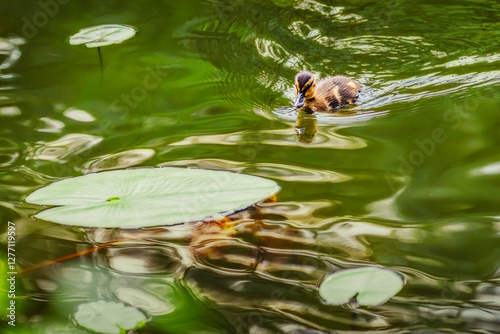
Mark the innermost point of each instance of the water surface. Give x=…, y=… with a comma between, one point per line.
x=406, y=179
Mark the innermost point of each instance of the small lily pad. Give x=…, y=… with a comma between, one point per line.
x=102, y=35
x=149, y=197
x=367, y=286
x=109, y=317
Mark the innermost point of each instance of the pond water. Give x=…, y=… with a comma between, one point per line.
x=407, y=179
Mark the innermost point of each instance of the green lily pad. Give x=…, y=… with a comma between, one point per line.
x=102, y=35
x=368, y=286
x=109, y=317
x=149, y=197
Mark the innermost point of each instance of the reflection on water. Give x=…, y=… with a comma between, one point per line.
x=60, y=149
x=10, y=55
x=271, y=269
x=406, y=178
x=306, y=126
x=125, y=159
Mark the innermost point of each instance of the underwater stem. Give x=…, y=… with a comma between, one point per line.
x=100, y=60
x=87, y=251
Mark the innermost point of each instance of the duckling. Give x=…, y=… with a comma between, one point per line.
x=327, y=94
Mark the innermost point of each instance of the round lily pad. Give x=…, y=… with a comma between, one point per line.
x=149, y=197
x=109, y=317
x=367, y=286
x=102, y=35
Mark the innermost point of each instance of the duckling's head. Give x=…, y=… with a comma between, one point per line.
x=305, y=87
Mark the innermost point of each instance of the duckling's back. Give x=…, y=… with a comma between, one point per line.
x=338, y=91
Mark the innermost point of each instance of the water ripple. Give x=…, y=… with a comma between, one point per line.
x=400, y=90
x=142, y=260
x=273, y=138
x=9, y=152
x=153, y=298
x=78, y=115
x=288, y=173
x=66, y=146
x=9, y=48
x=124, y=159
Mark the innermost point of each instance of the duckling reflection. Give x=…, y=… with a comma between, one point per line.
x=329, y=93
x=306, y=126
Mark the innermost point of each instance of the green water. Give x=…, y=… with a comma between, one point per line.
x=406, y=179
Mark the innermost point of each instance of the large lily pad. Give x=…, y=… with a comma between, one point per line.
x=367, y=286
x=109, y=317
x=102, y=35
x=149, y=197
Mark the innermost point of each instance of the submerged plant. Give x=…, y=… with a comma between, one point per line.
x=365, y=286
x=102, y=35
x=109, y=317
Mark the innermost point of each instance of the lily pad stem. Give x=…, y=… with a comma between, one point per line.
x=100, y=60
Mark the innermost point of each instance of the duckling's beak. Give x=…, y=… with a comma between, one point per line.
x=299, y=101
